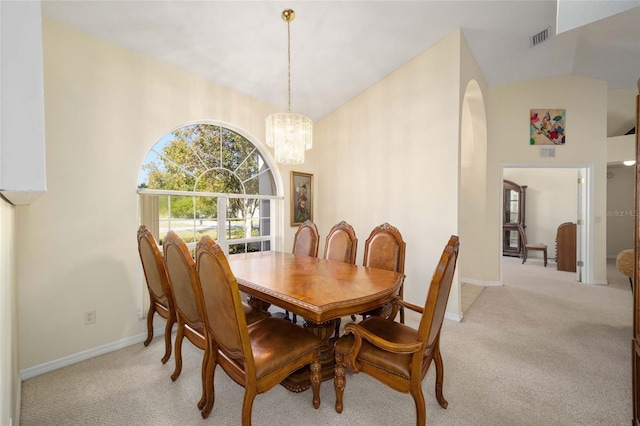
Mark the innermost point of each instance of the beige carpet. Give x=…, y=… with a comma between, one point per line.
x=542, y=350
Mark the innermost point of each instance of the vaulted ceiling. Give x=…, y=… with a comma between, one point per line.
x=339, y=48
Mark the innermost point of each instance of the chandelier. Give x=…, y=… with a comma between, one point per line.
x=288, y=133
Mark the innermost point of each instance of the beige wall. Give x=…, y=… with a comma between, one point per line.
x=105, y=107
x=585, y=101
x=391, y=155
x=9, y=370
x=473, y=212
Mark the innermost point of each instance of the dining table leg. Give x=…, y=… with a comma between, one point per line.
x=300, y=380
x=258, y=304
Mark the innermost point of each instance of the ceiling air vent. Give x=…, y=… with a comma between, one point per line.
x=542, y=36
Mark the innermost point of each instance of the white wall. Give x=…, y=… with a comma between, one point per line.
x=620, y=209
x=621, y=107
x=585, y=101
x=22, y=150
x=551, y=199
x=9, y=371
x=621, y=148
x=105, y=107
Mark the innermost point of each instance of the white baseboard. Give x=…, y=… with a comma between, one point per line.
x=47, y=367
x=480, y=282
x=453, y=317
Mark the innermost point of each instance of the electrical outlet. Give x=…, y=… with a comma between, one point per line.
x=89, y=317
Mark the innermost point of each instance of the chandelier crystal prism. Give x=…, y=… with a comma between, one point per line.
x=289, y=134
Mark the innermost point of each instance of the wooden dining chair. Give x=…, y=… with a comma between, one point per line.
x=341, y=245
x=160, y=295
x=395, y=354
x=256, y=356
x=182, y=273
x=385, y=249
x=526, y=247
x=305, y=243
x=306, y=240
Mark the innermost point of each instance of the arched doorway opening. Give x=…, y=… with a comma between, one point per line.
x=473, y=210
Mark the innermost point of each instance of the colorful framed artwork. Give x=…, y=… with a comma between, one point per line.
x=301, y=198
x=547, y=127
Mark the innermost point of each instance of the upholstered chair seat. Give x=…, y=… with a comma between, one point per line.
x=391, y=362
x=275, y=343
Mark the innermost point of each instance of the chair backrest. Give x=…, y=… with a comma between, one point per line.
x=153, y=267
x=341, y=243
x=220, y=303
x=523, y=236
x=438, y=295
x=306, y=240
x=181, y=272
x=385, y=249
x=566, y=230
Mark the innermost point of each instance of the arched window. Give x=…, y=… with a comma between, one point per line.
x=208, y=179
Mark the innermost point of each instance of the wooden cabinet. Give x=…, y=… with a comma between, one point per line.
x=566, y=247
x=514, y=203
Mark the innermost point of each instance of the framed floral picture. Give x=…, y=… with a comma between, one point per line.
x=546, y=127
x=301, y=198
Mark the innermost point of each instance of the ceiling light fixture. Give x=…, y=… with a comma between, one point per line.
x=629, y=162
x=288, y=133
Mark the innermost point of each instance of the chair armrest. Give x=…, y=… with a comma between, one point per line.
x=415, y=308
x=360, y=333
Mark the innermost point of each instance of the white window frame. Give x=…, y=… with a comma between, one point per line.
x=222, y=199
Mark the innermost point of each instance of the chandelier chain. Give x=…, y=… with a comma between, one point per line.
x=289, y=62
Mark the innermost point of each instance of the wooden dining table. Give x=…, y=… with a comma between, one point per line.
x=318, y=290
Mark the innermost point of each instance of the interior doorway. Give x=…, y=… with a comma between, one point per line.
x=555, y=195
